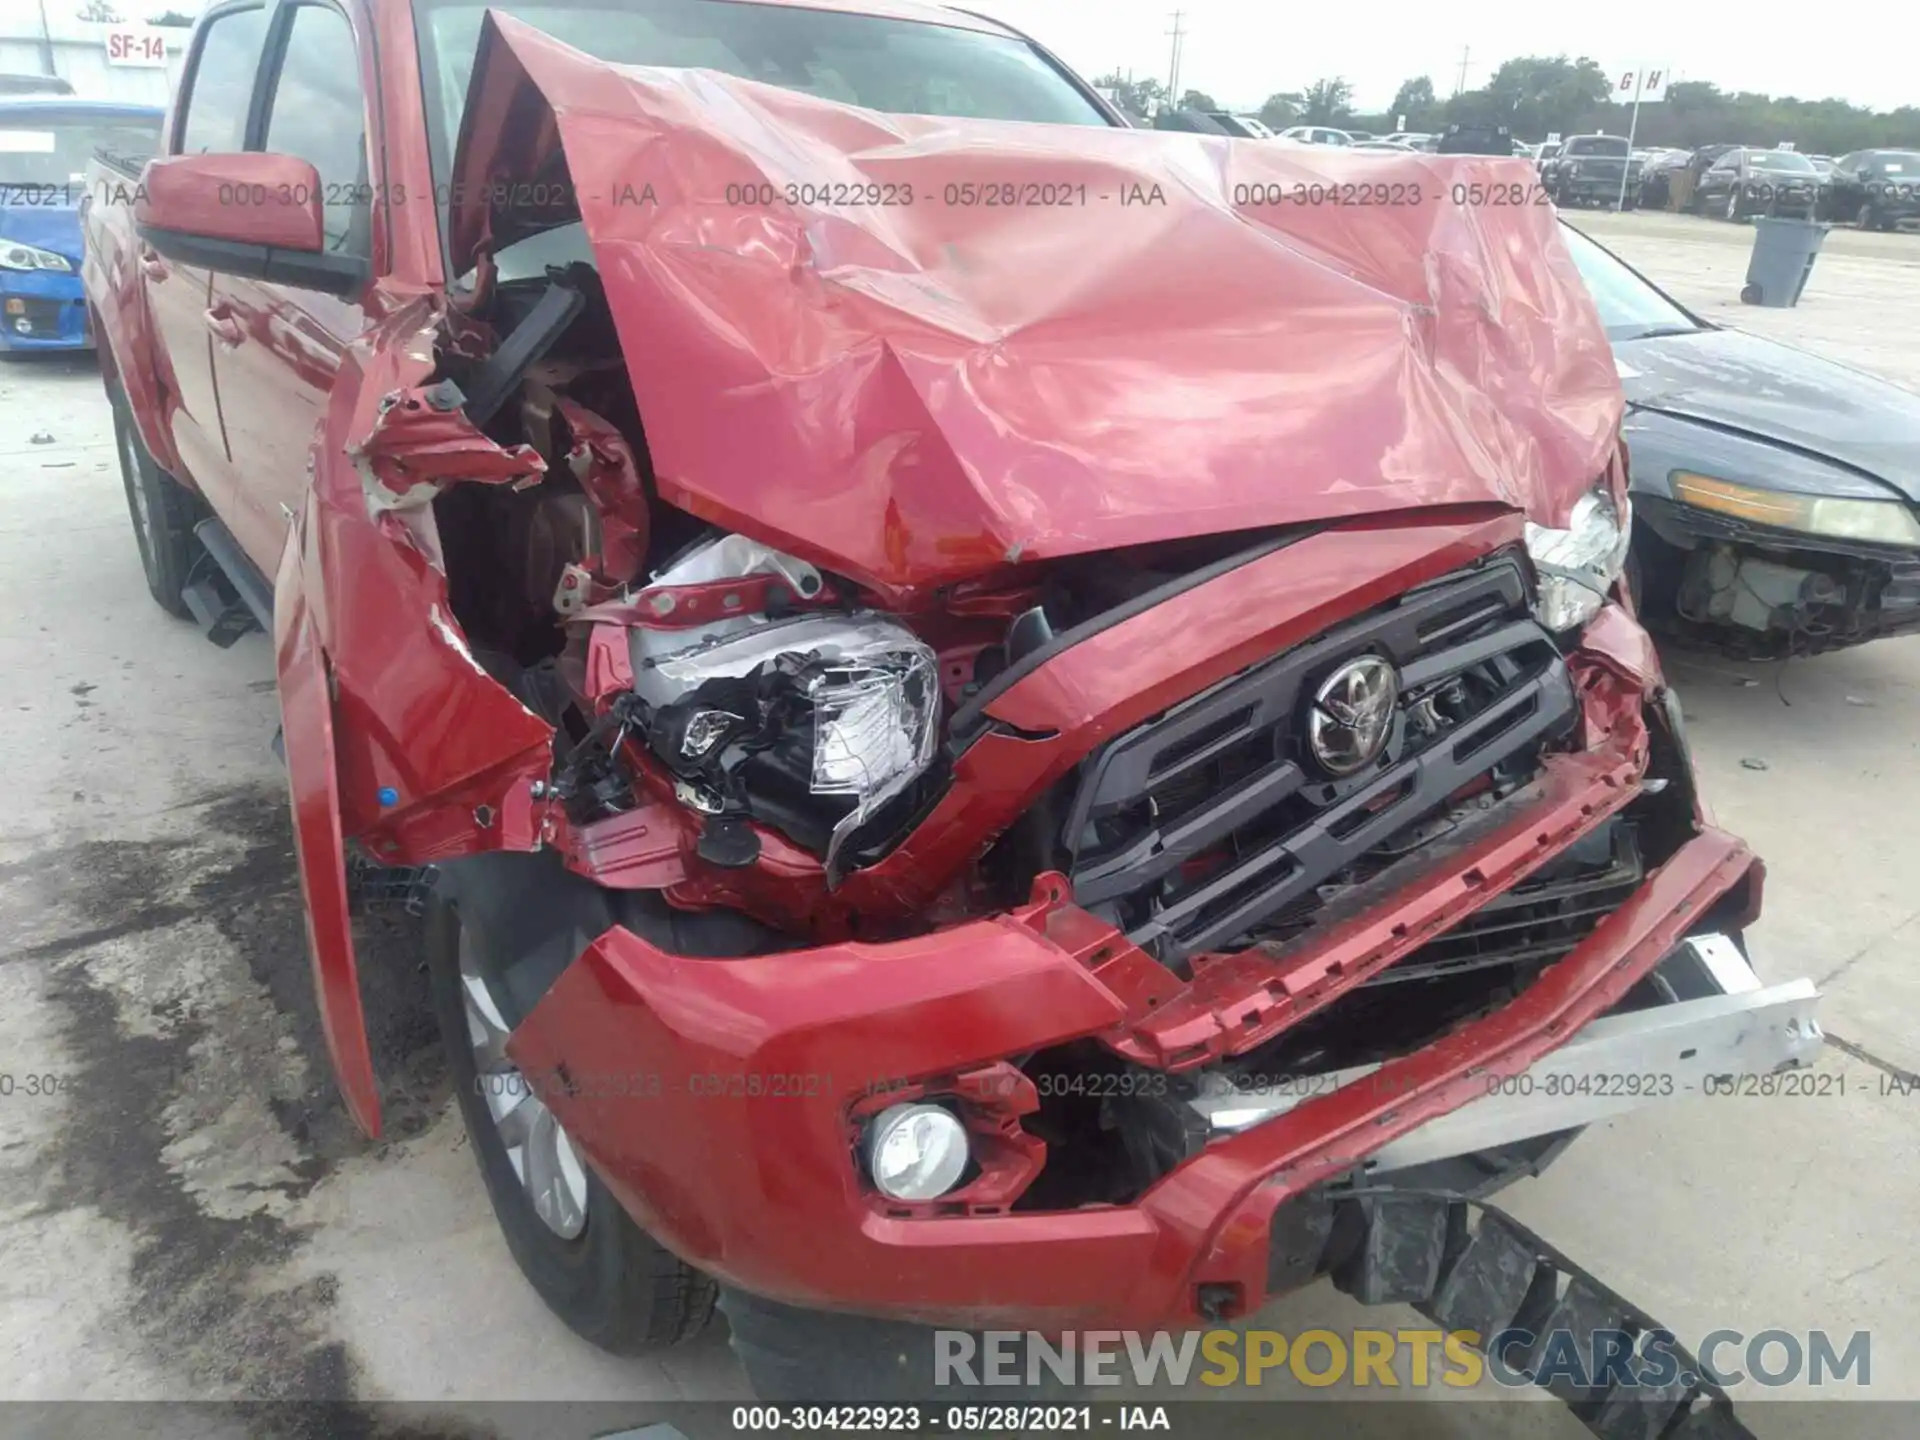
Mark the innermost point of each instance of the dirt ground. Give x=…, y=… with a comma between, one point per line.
x=185, y=1211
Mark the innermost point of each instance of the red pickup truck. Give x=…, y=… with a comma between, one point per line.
x=1013, y=721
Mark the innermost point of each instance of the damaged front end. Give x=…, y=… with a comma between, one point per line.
x=1740, y=570
x=1023, y=873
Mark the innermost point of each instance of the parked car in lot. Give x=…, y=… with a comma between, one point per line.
x=1874, y=189
x=1192, y=122
x=1590, y=170
x=1656, y=175
x=934, y=724
x=1475, y=138
x=1776, y=494
x=1412, y=140
x=1316, y=135
x=1247, y=127
x=46, y=145
x=1745, y=182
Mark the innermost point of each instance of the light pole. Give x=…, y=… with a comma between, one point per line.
x=46, y=41
x=1633, y=126
x=1173, y=65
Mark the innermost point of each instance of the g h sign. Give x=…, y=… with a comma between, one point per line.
x=1646, y=83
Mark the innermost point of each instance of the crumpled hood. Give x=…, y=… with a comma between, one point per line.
x=1775, y=392
x=916, y=390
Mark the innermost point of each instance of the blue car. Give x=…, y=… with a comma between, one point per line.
x=46, y=144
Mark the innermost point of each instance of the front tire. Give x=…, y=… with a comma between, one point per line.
x=605, y=1277
x=163, y=512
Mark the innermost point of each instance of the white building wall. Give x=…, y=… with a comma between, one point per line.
x=79, y=52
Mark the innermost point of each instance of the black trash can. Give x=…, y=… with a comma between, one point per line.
x=1783, y=252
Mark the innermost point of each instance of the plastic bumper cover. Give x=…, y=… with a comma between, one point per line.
x=713, y=1097
x=42, y=310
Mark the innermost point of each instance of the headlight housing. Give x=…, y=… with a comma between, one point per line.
x=1577, y=566
x=1880, y=522
x=18, y=255
x=809, y=724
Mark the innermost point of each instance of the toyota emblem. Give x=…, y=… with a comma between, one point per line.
x=1352, y=715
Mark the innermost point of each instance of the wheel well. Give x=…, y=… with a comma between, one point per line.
x=530, y=917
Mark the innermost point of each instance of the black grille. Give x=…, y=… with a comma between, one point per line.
x=1211, y=825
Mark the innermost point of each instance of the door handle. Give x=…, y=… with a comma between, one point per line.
x=153, y=267
x=225, y=328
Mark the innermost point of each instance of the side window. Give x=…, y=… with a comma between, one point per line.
x=222, y=83
x=318, y=115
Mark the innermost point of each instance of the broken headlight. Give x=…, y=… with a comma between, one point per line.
x=1577, y=566
x=808, y=724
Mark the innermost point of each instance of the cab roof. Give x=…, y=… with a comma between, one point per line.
x=45, y=106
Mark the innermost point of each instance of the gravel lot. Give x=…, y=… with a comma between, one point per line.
x=190, y=1215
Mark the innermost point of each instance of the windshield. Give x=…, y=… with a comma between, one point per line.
x=1596, y=145
x=52, y=149
x=1630, y=309
x=899, y=66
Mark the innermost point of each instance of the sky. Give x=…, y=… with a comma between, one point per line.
x=1241, y=51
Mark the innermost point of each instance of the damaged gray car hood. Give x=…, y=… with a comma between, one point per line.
x=1777, y=393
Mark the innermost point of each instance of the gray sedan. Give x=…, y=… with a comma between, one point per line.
x=1776, y=494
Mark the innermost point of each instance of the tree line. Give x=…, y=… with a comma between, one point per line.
x=1536, y=96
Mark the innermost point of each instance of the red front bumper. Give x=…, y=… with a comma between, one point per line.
x=713, y=1096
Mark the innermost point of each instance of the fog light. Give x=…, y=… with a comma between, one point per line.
x=25, y=327
x=916, y=1152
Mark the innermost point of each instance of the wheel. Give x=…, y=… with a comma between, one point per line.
x=163, y=511
x=605, y=1277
